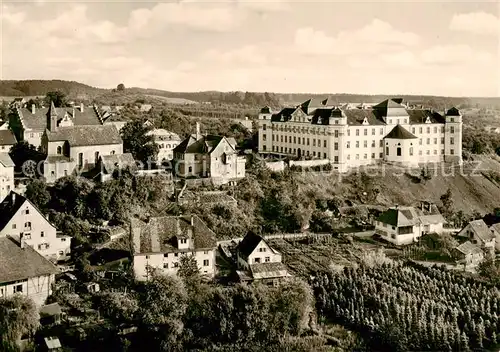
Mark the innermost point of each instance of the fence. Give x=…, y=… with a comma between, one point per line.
x=309, y=163
x=276, y=166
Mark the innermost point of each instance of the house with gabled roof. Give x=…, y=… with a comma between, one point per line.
x=159, y=243
x=468, y=255
x=20, y=217
x=478, y=233
x=351, y=136
x=109, y=164
x=258, y=261
x=166, y=141
x=73, y=148
x=7, y=140
x=404, y=225
x=24, y=271
x=6, y=175
x=210, y=156
x=30, y=123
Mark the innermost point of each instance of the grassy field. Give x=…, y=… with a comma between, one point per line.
x=471, y=190
x=306, y=257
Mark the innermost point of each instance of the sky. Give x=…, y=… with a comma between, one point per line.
x=449, y=48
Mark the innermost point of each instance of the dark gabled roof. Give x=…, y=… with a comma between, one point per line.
x=86, y=135
x=482, y=230
x=10, y=206
x=285, y=114
x=52, y=159
x=18, y=263
x=7, y=137
x=159, y=235
x=322, y=116
x=113, y=162
x=312, y=103
x=205, y=144
x=248, y=244
x=401, y=216
x=357, y=116
x=268, y=271
x=185, y=144
x=38, y=120
x=419, y=116
x=389, y=103
x=390, y=107
x=453, y=112
x=6, y=160
x=468, y=248
x=399, y=132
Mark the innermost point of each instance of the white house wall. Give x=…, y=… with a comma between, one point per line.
x=41, y=233
x=6, y=180
x=165, y=263
x=37, y=288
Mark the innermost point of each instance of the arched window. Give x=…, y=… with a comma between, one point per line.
x=411, y=151
x=59, y=150
x=112, y=152
x=27, y=225
x=398, y=151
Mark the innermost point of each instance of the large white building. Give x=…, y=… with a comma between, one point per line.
x=351, y=137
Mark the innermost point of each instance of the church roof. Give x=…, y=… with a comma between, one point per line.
x=86, y=135
x=399, y=132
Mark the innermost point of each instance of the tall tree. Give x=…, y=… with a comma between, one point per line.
x=120, y=87
x=137, y=141
x=18, y=316
x=37, y=192
x=163, y=303
x=57, y=97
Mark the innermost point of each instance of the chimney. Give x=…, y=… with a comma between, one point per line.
x=198, y=131
x=81, y=107
x=22, y=243
x=13, y=195
x=33, y=107
x=192, y=220
x=396, y=206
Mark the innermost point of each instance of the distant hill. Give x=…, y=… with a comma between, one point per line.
x=76, y=90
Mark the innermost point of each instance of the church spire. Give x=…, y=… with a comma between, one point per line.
x=52, y=117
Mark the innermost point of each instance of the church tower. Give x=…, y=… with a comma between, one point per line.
x=52, y=118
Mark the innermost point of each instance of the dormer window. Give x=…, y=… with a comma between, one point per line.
x=427, y=120
x=365, y=121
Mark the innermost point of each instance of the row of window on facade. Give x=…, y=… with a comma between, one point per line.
x=294, y=151
x=258, y=260
x=403, y=121
x=170, y=146
x=27, y=226
x=206, y=262
x=15, y=289
x=296, y=140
